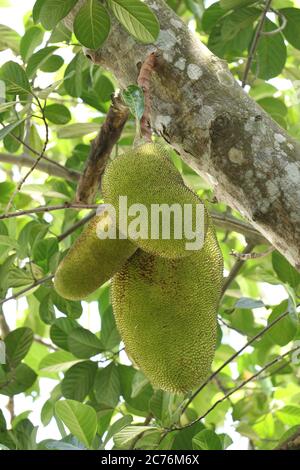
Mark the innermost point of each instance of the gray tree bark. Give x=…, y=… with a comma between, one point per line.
x=198, y=107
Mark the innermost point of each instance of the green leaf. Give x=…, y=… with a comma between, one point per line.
x=110, y=336
x=9, y=39
x=103, y=88
x=207, y=440
x=73, y=75
x=79, y=380
x=57, y=113
x=17, y=381
x=284, y=330
x=15, y=78
x=117, y=426
x=59, y=361
x=38, y=59
x=137, y=18
x=79, y=418
x=37, y=10
x=134, y=98
x=5, y=131
x=107, y=386
x=124, y=438
x=271, y=53
x=46, y=310
x=52, y=64
x=60, y=330
x=92, y=24
x=18, y=343
x=52, y=11
x=32, y=38
x=84, y=344
x=211, y=16
x=247, y=303
x=289, y=414
x=292, y=30
x=232, y=4
x=285, y=272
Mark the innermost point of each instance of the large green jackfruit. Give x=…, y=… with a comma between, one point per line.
x=90, y=262
x=146, y=176
x=166, y=312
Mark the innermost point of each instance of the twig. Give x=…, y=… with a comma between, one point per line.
x=247, y=256
x=144, y=83
x=237, y=267
x=238, y=387
x=74, y=227
x=255, y=42
x=46, y=165
x=36, y=210
x=39, y=340
x=227, y=221
x=231, y=358
x=101, y=149
x=27, y=289
x=20, y=184
x=291, y=443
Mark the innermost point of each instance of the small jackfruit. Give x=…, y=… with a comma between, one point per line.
x=90, y=261
x=166, y=312
x=146, y=176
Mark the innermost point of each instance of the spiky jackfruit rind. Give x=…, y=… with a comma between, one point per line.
x=146, y=176
x=166, y=313
x=90, y=262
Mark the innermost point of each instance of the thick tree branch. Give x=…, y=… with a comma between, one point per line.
x=197, y=106
x=45, y=165
x=101, y=149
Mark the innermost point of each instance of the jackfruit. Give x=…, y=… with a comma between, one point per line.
x=90, y=261
x=166, y=312
x=146, y=176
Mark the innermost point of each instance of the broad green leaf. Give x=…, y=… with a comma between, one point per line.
x=73, y=83
x=60, y=330
x=18, y=343
x=9, y=39
x=107, y=386
x=292, y=30
x=92, y=24
x=5, y=131
x=285, y=272
x=6, y=106
x=84, y=344
x=232, y=4
x=134, y=98
x=30, y=41
x=37, y=10
x=207, y=440
x=137, y=18
x=285, y=329
x=59, y=361
x=124, y=438
x=289, y=414
x=117, y=426
x=52, y=11
x=15, y=78
x=60, y=34
x=271, y=54
x=38, y=59
x=110, y=336
x=79, y=418
x=46, y=310
x=52, y=64
x=17, y=381
x=210, y=17
x=57, y=113
x=79, y=380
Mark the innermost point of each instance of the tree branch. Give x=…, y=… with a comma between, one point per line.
x=198, y=107
x=236, y=267
x=59, y=207
x=45, y=165
x=291, y=443
x=101, y=149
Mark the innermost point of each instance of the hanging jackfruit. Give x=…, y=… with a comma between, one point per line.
x=146, y=176
x=166, y=313
x=91, y=261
